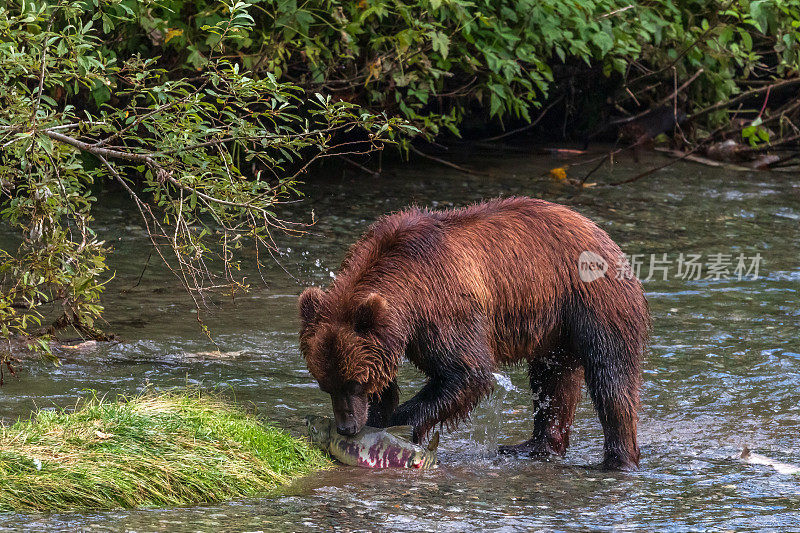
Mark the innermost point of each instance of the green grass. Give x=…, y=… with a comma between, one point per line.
x=153, y=450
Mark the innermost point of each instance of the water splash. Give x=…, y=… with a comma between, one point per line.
x=504, y=381
x=488, y=416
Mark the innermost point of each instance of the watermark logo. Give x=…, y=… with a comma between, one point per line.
x=591, y=266
x=687, y=267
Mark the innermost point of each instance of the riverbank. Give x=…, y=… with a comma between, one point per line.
x=158, y=449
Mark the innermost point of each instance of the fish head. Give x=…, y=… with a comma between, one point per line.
x=319, y=430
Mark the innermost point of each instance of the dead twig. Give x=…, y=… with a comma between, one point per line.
x=144, y=210
x=744, y=96
x=361, y=167
x=100, y=151
x=597, y=167
x=679, y=156
x=770, y=146
x=647, y=172
x=616, y=12
x=779, y=164
x=702, y=160
x=141, y=275
x=445, y=162
x=527, y=126
x=658, y=104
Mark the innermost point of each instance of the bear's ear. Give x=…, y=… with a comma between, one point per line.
x=370, y=313
x=308, y=304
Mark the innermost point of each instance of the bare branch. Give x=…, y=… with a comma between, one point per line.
x=101, y=152
x=744, y=96
x=444, y=161
x=661, y=102
x=527, y=126
x=616, y=12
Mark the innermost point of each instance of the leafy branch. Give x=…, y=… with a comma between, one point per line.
x=205, y=161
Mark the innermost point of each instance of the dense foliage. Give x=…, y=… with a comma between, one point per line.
x=435, y=60
x=207, y=112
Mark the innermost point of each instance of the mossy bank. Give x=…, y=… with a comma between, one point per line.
x=153, y=450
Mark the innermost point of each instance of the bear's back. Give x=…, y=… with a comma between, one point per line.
x=519, y=232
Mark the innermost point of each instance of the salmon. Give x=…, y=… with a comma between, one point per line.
x=373, y=447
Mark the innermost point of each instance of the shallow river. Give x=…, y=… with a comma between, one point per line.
x=722, y=371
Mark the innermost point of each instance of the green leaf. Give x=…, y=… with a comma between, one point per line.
x=440, y=43
x=604, y=41
x=495, y=105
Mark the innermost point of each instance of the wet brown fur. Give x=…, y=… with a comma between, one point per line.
x=464, y=291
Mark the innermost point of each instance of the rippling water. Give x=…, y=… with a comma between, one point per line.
x=723, y=369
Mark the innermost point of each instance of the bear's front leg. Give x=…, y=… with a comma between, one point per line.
x=383, y=405
x=450, y=394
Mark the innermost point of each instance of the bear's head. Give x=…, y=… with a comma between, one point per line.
x=347, y=345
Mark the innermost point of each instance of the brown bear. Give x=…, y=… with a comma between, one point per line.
x=463, y=291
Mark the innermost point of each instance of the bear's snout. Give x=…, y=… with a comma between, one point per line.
x=349, y=412
x=347, y=429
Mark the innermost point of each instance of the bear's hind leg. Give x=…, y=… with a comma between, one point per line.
x=556, y=388
x=616, y=399
x=612, y=367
